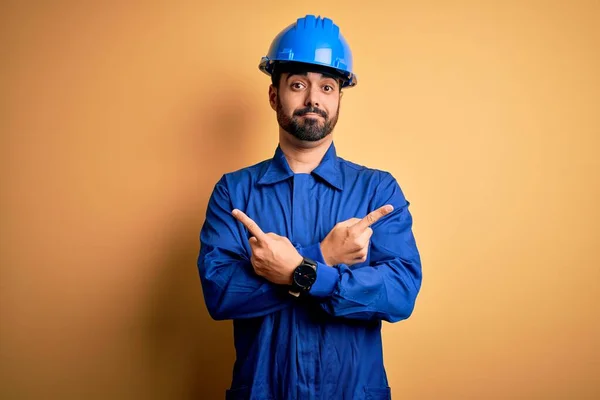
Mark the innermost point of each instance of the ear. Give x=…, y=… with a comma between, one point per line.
x=273, y=97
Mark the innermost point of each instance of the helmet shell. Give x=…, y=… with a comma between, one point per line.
x=312, y=40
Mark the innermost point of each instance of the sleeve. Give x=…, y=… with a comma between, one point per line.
x=230, y=286
x=387, y=285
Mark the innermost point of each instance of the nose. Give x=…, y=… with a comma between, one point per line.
x=312, y=97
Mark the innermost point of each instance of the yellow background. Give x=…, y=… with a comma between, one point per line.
x=116, y=121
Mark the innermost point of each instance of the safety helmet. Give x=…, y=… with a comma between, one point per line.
x=311, y=40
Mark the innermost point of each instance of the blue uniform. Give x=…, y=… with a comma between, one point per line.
x=327, y=343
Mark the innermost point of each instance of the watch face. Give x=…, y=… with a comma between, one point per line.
x=305, y=276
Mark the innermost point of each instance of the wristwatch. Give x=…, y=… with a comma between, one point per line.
x=304, y=277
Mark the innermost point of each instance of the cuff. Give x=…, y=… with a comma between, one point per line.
x=327, y=279
x=313, y=252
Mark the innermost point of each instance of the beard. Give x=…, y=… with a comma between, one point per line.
x=306, y=129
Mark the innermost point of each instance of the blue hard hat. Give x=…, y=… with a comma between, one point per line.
x=312, y=40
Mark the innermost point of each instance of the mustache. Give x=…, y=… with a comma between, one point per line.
x=306, y=110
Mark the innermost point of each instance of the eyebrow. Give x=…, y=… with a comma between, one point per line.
x=323, y=76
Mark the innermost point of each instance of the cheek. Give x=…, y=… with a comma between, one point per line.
x=290, y=101
x=288, y=107
x=332, y=107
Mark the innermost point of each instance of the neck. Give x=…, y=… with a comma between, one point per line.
x=303, y=157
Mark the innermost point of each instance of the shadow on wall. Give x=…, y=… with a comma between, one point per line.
x=191, y=356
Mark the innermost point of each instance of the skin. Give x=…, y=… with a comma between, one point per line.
x=304, y=139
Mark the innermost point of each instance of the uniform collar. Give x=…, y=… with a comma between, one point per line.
x=279, y=169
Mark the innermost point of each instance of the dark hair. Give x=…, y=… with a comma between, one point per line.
x=303, y=68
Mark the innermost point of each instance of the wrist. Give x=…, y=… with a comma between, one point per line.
x=326, y=257
x=295, y=265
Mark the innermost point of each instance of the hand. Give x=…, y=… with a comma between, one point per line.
x=274, y=257
x=348, y=241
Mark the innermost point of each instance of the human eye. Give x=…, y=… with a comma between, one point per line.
x=297, y=86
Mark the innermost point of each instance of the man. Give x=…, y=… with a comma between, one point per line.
x=306, y=252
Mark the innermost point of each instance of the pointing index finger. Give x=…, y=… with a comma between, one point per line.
x=249, y=223
x=373, y=217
